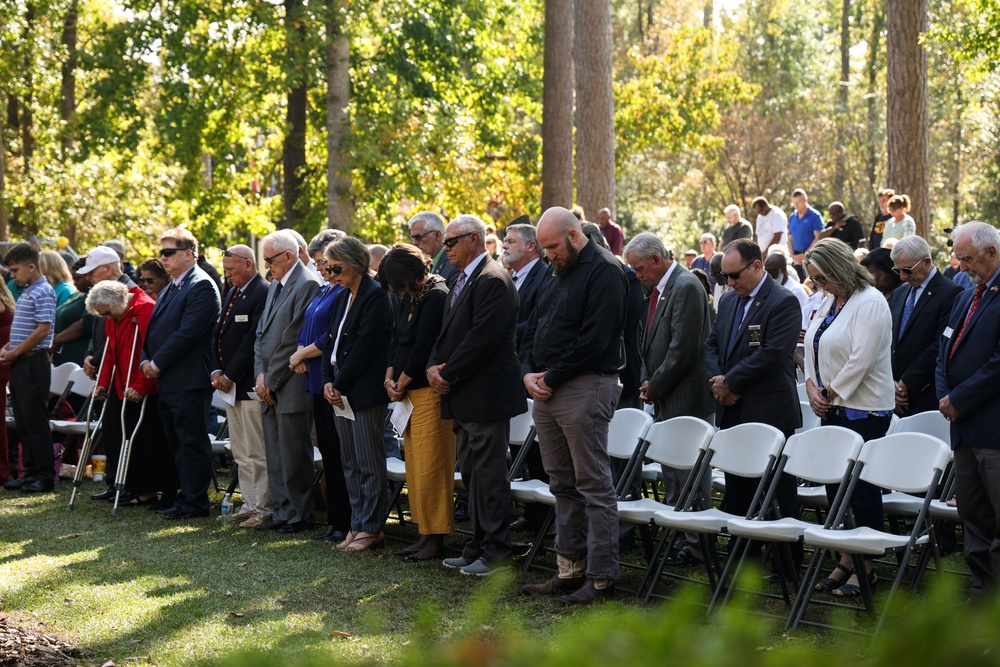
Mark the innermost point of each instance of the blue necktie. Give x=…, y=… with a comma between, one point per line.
x=911, y=301
x=459, y=284
x=737, y=321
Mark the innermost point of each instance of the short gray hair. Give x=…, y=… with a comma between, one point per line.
x=469, y=224
x=282, y=240
x=323, y=239
x=527, y=234
x=299, y=239
x=352, y=252
x=108, y=293
x=644, y=245
x=117, y=246
x=912, y=247
x=982, y=235
x=432, y=221
x=732, y=207
x=593, y=231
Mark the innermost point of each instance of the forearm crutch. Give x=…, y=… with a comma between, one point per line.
x=88, y=439
x=126, y=450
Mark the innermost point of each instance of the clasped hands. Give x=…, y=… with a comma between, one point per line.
x=721, y=392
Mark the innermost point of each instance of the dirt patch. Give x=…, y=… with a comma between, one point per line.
x=21, y=646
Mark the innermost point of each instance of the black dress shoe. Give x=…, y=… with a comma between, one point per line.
x=326, y=534
x=38, y=486
x=163, y=504
x=521, y=524
x=588, y=594
x=180, y=515
x=107, y=494
x=417, y=558
x=294, y=527
x=682, y=558
x=273, y=524
x=337, y=537
x=166, y=510
x=15, y=484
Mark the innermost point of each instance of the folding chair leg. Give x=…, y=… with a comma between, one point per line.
x=536, y=544
x=668, y=540
x=737, y=551
x=801, y=602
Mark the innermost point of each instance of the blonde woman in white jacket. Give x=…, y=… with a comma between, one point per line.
x=848, y=372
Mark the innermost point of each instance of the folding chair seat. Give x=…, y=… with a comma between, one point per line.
x=910, y=462
x=747, y=450
x=896, y=502
x=77, y=384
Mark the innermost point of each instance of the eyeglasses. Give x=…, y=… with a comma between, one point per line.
x=450, y=243
x=416, y=237
x=170, y=252
x=147, y=281
x=820, y=279
x=268, y=260
x=734, y=276
x=334, y=270
x=228, y=253
x=900, y=271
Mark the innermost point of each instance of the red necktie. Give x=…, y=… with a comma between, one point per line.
x=654, y=299
x=976, y=298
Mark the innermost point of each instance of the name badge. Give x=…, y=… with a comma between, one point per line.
x=948, y=331
x=242, y=318
x=755, y=335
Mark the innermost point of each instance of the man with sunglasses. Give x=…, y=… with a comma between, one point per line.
x=920, y=307
x=177, y=354
x=427, y=233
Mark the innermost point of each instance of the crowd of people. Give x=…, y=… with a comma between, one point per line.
x=460, y=327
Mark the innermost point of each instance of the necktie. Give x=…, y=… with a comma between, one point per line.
x=911, y=301
x=976, y=298
x=654, y=299
x=229, y=308
x=456, y=290
x=275, y=291
x=737, y=321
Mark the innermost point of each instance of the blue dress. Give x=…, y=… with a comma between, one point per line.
x=314, y=332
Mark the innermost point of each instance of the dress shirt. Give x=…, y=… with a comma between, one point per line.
x=521, y=274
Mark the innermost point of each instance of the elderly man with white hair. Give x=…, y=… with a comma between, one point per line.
x=286, y=403
x=427, y=233
x=737, y=227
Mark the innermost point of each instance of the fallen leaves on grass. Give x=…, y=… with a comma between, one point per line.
x=339, y=634
x=27, y=648
x=236, y=614
x=71, y=536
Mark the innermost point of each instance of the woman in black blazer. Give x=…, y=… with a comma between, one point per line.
x=354, y=363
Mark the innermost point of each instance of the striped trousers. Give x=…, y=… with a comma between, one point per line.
x=363, y=455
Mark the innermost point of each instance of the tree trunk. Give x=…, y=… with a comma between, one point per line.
x=3, y=183
x=339, y=205
x=67, y=98
x=293, y=159
x=906, y=117
x=708, y=15
x=873, y=70
x=595, y=107
x=840, y=171
x=27, y=122
x=557, y=106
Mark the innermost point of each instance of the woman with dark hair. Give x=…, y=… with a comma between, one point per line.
x=153, y=277
x=848, y=367
x=879, y=265
x=355, y=357
x=428, y=440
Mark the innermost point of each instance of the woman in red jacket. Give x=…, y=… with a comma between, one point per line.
x=151, y=466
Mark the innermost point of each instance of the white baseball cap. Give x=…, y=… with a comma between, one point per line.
x=99, y=256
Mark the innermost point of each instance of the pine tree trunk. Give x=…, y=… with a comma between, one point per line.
x=873, y=70
x=906, y=97
x=557, y=106
x=67, y=102
x=3, y=183
x=339, y=204
x=595, y=107
x=294, y=152
x=840, y=172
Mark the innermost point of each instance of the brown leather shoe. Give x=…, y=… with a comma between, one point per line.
x=588, y=594
x=554, y=585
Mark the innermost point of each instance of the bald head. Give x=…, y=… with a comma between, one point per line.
x=562, y=238
x=239, y=265
x=777, y=267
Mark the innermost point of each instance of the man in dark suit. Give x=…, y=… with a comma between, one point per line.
x=234, y=339
x=528, y=269
x=474, y=367
x=920, y=309
x=177, y=353
x=286, y=403
x=427, y=233
x=674, y=380
x=968, y=374
x=749, y=358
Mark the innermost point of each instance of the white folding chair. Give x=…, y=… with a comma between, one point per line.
x=78, y=384
x=910, y=462
x=60, y=377
x=904, y=504
x=746, y=450
x=809, y=418
x=803, y=394
x=824, y=455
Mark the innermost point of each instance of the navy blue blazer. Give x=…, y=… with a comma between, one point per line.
x=971, y=376
x=526, y=296
x=181, y=333
x=235, y=336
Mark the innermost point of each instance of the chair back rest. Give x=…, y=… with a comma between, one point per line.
x=823, y=455
x=746, y=449
x=679, y=442
x=803, y=395
x=930, y=423
x=520, y=427
x=59, y=377
x=627, y=428
x=81, y=385
x=809, y=418
x=904, y=461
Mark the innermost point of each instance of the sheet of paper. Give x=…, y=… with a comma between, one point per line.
x=346, y=412
x=253, y=396
x=229, y=397
x=401, y=412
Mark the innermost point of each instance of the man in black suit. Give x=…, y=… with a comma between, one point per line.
x=234, y=340
x=750, y=365
x=427, y=233
x=177, y=353
x=474, y=367
x=920, y=309
x=528, y=269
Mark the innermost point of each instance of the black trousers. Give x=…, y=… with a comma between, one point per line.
x=867, y=499
x=184, y=414
x=29, y=391
x=338, y=502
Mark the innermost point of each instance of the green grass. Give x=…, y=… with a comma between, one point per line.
x=140, y=589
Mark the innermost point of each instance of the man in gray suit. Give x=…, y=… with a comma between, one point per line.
x=674, y=380
x=285, y=401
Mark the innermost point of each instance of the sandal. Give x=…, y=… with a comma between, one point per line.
x=830, y=584
x=340, y=546
x=853, y=591
x=365, y=541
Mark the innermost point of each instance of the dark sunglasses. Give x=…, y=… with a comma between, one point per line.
x=901, y=271
x=450, y=243
x=147, y=281
x=170, y=252
x=733, y=276
x=268, y=260
x=227, y=253
x=334, y=270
